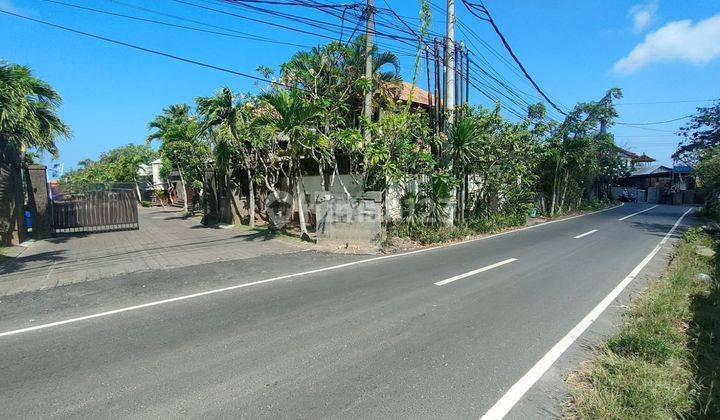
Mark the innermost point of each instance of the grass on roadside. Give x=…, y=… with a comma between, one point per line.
x=665, y=360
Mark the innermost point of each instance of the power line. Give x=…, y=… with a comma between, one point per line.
x=144, y=49
x=240, y=35
x=640, y=127
x=668, y=102
x=470, y=7
x=657, y=122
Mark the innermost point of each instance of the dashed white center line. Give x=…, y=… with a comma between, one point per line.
x=471, y=273
x=585, y=234
x=635, y=214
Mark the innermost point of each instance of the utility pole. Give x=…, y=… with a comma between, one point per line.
x=450, y=94
x=450, y=60
x=367, y=111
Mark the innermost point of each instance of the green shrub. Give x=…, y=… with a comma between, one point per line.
x=497, y=222
x=427, y=235
x=692, y=234
x=145, y=203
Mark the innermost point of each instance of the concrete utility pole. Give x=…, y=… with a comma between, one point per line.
x=450, y=61
x=367, y=111
x=450, y=94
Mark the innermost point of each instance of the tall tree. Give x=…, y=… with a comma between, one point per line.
x=29, y=125
x=182, y=146
x=229, y=121
x=294, y=120
x=701, y=134
x=116, y=165
x=28, y=111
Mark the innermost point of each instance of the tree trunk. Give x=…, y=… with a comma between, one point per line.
x=251, y=199
x=553, y=197
x=564, y=190
x=184, y=190
x=301, y=211
x=336, y=173
x=461, y=200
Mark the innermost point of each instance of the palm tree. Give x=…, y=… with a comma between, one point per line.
x=229, y=122
x=294, y=119
x=172, y=115
x=168, y=126
x=385, y=83
x=28, y=111
x=331, y=73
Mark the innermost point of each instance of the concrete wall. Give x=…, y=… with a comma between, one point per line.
x=312, y=185
x=348, y=224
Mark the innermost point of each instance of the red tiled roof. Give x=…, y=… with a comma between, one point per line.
x=419, y=95
x=644, y=158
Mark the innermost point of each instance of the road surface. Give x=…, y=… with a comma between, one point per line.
x=439, y=333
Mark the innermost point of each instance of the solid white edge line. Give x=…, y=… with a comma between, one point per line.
x=513, y=395
x=479, y=270
x=287, y=276
x=585, y=234
x=635, y=214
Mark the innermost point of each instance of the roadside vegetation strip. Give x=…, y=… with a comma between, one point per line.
x=636, y=213
x=665, y=360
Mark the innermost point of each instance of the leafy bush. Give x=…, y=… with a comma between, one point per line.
x=497, y=222
x=145, y=203
x=425, y=234
x=692, y=234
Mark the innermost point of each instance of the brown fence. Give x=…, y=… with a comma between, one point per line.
x=94, y=211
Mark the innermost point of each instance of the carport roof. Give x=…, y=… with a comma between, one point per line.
x=651, y=170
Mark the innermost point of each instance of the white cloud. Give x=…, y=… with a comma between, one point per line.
x=642, y=15
x=681, y=40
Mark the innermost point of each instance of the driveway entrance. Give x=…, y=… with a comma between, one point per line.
x=165, y=240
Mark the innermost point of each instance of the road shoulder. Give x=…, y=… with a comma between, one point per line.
x=550, y=394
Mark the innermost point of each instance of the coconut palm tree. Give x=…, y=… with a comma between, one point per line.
x=295, y=120
x=28, y=111
x=178, y=132
x=28, y=124
x=229, y=122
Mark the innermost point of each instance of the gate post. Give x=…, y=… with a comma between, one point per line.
x=211, y=215
x=39, y=200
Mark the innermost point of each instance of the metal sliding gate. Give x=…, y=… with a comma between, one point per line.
x=96, y=211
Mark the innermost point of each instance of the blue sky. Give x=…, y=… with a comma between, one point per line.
x=657, y=51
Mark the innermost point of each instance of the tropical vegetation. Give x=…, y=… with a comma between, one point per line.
x=119, y=165
x=482, y=171
x=701, y=148
x=28, y=112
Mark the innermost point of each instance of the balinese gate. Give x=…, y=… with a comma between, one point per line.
x=95, y=210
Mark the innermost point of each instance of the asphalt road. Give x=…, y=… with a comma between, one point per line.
x=375, y=339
